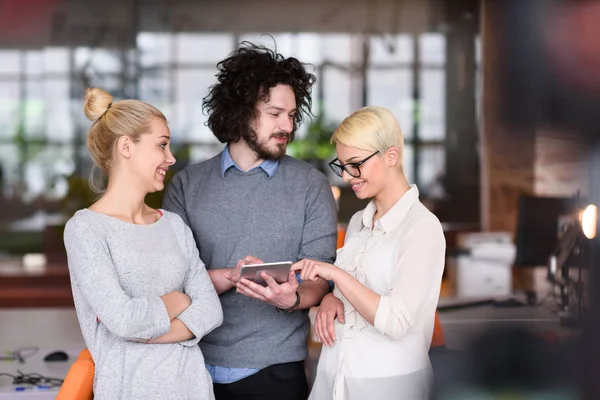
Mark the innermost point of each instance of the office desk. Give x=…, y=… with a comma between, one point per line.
x=35, y=365
x=463, y=324
x=47, y=329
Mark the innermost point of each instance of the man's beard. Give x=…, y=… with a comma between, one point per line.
x=264, y=152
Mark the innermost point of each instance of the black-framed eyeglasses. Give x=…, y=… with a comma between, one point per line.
x=352, y=168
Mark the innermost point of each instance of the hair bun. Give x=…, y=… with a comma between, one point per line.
x=96, y=103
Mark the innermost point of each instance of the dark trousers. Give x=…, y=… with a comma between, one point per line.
x=280, y=381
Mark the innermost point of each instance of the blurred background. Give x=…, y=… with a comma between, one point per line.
x=400, y=55
x=476, y=85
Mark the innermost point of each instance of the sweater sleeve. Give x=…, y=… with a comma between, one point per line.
x=319, y=236
x=205, y=313
x=93, y=272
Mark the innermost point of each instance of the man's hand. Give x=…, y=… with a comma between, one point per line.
x=281, y=296
x=330, y=308
x=234, y=275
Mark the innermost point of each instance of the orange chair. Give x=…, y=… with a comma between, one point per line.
x=438, y=339
x=341, y=236
x=79, y=383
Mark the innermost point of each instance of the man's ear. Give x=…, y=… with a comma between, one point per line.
x=392, y=156
x=125, y=146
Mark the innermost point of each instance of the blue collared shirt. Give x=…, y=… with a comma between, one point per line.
x=269, y=166
x=227, y=374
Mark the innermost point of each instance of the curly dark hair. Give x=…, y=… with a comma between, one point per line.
x=245, y=78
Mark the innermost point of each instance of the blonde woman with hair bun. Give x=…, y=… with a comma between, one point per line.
x=387, y=276
x=142, y=295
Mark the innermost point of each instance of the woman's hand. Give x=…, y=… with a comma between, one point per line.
x=310, y=270
x=175, y=303
x=330, y=308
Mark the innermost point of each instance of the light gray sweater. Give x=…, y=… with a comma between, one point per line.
x=118, y=273
x=286, y=217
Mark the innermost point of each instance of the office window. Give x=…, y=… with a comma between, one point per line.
x=35, y=108
x=433, y=105
x=337, y=92
x=9, y=168
x=46, y=170
x=10, y=92
x=36, y=122
x=59, y=121
x=431, y=166
x=155, y=86
x=99, y=61
x=41, y=92
x=406, y=75
x=189, y=120
x=393, y=89
x=56, y=60
x=430, y=156
x=155, y=49
x=202, y=48
x=11, y=61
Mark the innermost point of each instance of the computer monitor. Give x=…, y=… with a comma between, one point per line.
x=538, y=228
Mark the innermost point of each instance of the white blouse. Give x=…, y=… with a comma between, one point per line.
x=402, y=259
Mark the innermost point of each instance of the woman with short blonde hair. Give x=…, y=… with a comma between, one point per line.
x=387, y=275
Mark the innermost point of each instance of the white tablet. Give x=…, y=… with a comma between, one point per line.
x=278, y=270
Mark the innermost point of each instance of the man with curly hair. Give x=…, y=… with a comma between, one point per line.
x=253, y=203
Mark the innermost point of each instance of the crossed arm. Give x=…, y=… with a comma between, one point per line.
x=201, y=313
x=174, y=317
x=176, y=303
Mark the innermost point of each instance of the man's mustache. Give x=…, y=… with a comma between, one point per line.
x=281, y=135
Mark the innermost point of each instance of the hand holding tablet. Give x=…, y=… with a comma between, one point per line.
x=278, y=270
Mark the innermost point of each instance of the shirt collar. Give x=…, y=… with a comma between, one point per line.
x=395, y=215
x=269, y=166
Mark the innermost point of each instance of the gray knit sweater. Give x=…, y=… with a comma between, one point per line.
x=118, y=271
x=287, y=217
